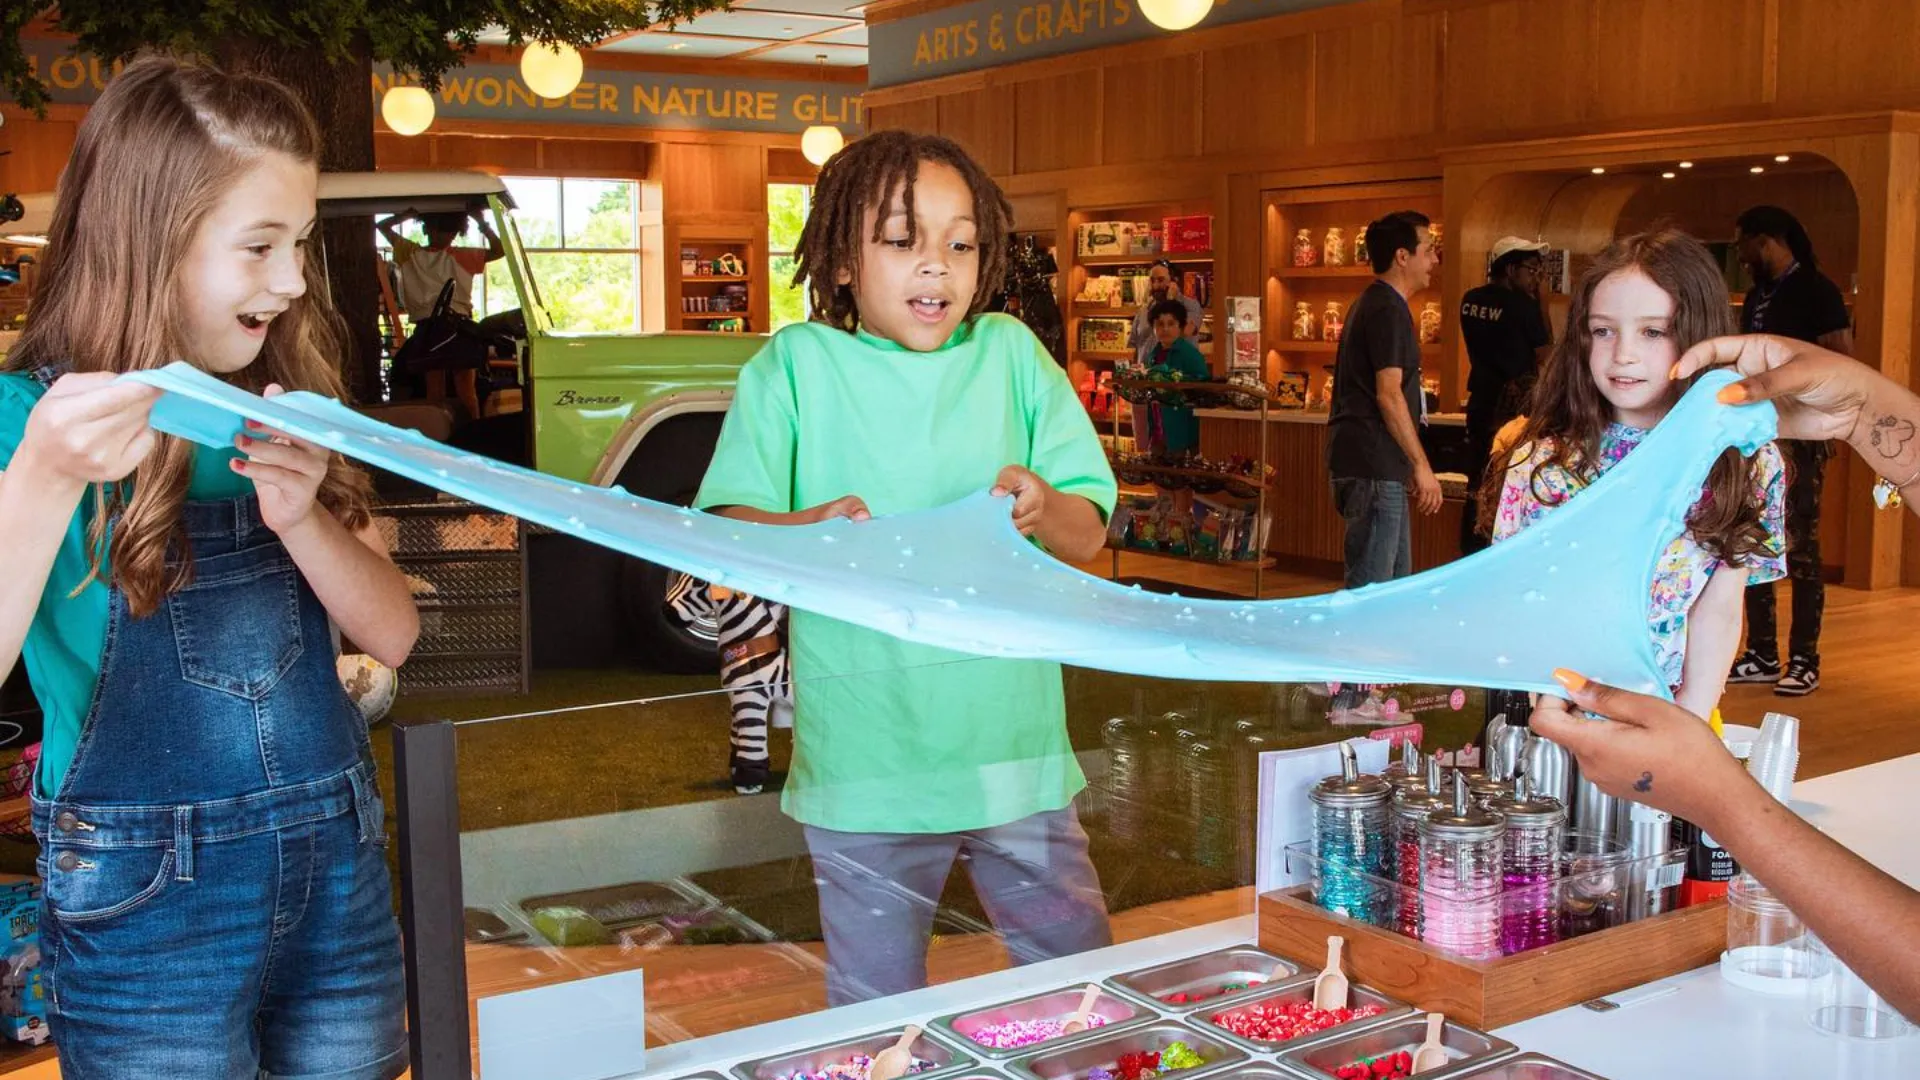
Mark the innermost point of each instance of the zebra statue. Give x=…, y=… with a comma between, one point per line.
x=753, y=670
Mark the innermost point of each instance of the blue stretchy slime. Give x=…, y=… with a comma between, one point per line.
x=1572, y=591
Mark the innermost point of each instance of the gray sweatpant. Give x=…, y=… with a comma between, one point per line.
x=878, y=892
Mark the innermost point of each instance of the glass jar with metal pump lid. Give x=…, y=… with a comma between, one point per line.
x=1411, y=805
x=1460, y=877
x=1529, y=866
x=1350, y=840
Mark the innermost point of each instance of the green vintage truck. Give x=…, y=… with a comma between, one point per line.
x=640, y=410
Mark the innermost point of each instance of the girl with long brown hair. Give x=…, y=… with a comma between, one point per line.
x=1645, y=301
x=216, y=899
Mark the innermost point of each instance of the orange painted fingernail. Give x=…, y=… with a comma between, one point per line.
x=1572, y=680
x=1732, y=395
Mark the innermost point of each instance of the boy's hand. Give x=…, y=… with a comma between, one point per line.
x=1030, y=496
x=286, y=472
x=851, y=507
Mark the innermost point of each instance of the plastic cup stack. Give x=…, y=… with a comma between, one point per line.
x=1776, y=755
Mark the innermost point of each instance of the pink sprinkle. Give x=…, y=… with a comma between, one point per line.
x=1016, y=1033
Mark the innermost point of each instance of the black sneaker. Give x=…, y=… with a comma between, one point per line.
x=1754, y=668
x=1802, y=678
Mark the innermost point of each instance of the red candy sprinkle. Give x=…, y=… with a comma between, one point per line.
x=1135, y=1065
x=1384, y=1067
x=1281, y=1021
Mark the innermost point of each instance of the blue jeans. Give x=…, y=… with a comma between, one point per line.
x=217, y=901
x=1379, y=544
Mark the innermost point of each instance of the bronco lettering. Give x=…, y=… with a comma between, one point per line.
x=568, y=397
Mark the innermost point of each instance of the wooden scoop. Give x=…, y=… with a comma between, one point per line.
x=1082, y=1016
x=1330, y=988
x=1432, y=1053
x=893, y=1062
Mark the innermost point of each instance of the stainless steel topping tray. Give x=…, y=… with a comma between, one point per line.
x=1071, y=1062
x=1468, y=1048
x=1531, y=1067
x=1052, y=1005
x=947, y=1061
x=1297, y=990
x=1242, y=963
x=1255, y=1070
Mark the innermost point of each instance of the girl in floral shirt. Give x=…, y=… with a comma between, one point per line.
x=1646, y=301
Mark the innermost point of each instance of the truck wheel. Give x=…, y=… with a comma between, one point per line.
x=663, y=641
x=668, y=467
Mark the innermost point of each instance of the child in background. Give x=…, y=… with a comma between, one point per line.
x=1646, y=301
x=1172, y=431
x=901, y=396
x=212, y=841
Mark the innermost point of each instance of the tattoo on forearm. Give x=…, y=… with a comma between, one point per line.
x=1644, y=784
x=1890, y=435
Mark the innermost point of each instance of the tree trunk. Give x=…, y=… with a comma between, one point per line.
x=340, y=97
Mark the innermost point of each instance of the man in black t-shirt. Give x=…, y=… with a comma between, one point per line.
x=1373, y=443
x=1791, y=298
x=1507, y=338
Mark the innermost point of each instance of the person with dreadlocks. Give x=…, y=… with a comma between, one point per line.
x=901, y=395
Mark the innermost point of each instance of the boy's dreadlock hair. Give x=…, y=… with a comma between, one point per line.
x=864, y=175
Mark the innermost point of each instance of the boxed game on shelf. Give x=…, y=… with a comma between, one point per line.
x=1211, y=531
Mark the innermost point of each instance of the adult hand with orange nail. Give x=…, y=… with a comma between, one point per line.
x=1648, y=750
x=1819, y=394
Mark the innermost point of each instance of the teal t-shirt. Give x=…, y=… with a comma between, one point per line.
x=891, y=736
x=1179, y=423
x=65, y=643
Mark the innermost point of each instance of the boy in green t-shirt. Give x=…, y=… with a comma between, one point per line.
x=901, y=396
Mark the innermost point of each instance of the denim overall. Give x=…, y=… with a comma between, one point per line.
x=217, y=898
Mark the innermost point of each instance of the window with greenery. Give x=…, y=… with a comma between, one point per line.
x=583, y=243
x=787, y=206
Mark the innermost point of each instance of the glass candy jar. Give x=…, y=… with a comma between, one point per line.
x=1302, y=321
x=1430, y=323
x=1361, y=256
x=1305, y=251
x=1412, y=804
x=1334, y=253
x=1349, y=840
x=1460, y=878
x=1332, y=321
x=1529, y=863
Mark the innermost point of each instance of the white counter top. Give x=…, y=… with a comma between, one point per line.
x=1707, y=1028
x=1710, y=1028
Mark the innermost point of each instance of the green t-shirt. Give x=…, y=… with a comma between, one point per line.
x=1178, y=421
x=891, y=736
x=65, y=643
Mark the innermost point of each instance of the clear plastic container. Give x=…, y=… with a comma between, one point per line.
x=1840, y=1003
x=1768, y=947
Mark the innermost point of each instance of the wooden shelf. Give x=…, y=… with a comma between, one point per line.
x=1100, y=357
x=1175, y=470
x=716, y=280
x=1286, y=272
x=1142, y=260
x=1426, y=351
x=1087, y=308
x=709, y=316
x=1264, y=562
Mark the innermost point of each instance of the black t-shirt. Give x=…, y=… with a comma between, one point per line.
x=1802, y=305
x=1503, y=328
x=1379, y=335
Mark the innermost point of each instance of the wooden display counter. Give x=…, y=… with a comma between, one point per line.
x=1307, y=534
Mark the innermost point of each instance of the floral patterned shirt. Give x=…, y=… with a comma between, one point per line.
x=1684, y=567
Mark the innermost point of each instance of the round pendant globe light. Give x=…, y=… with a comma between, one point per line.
x=820, y=142
x=552, y=71
x=1175, y=14
x=408, y=110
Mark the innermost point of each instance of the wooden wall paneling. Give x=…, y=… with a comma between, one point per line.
x=1885, y=173
x=1839, y=51
x=700, y=180
x=982, y=121
x=1673, y=57
x=1150, y=111
x=785, y=166
x=918, y=114
x=606, y=158
x=1823, y=200
x=1057, y=122
x=1378, y=80
x=1512, y=65
x=38, y=150
x=1257, y=96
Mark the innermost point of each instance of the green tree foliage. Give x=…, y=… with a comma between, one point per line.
x=422, y=38
x=786, y=213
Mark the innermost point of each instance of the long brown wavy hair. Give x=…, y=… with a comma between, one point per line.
x=1568, y=415
x=154, y=155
